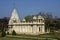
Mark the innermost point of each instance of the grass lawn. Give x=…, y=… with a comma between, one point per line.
x=5, y=38
x=12, y=38
x=32, y=37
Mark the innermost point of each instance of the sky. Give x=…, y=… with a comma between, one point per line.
x=29, y=7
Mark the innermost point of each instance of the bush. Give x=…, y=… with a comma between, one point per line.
x=3, y=34
x=13, y=32
x=7, y=33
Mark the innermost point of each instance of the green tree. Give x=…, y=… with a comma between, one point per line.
x=57, y=23
x=4, y=24
x=28, y=18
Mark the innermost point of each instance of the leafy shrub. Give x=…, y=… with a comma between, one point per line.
x=13, y=32
x=7, y=33
x=3, y=34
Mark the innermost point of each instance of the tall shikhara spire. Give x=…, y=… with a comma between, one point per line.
x=14, y=14
x=14, y=17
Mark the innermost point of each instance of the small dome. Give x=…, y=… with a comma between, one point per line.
x=23, y=20
x=34, y=17
x=40, y=17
